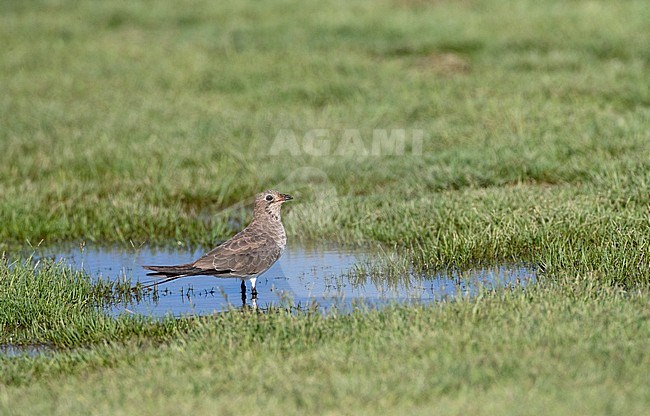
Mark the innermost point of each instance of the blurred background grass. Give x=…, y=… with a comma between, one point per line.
x=145, y=121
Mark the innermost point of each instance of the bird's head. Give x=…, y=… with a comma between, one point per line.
x=268, y=203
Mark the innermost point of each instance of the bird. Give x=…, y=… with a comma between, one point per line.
x=248, y=254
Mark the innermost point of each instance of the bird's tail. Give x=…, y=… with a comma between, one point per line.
x=170, y=273
x=173, y=271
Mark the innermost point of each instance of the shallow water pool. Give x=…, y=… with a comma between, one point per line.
x=303, y=277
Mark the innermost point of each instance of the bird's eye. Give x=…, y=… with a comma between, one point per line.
x=269, y=198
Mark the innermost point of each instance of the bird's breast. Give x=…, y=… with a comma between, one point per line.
x=276, y=232
x=281, y=238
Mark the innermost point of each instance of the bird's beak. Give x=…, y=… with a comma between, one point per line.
x=286, y=197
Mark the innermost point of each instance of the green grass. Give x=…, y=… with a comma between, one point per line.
x=561, y=348
x=46, y=303
x=149, y=122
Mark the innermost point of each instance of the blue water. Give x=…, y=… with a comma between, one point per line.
x=10, y=350
x=302, y=277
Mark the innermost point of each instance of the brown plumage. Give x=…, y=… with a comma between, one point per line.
x=248, y=254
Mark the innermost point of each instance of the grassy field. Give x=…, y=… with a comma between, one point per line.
x=155, y=122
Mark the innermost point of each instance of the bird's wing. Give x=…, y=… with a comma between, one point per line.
x=244, y=255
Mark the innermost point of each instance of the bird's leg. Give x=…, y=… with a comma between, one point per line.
x=243, y=293
x=253, y=289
